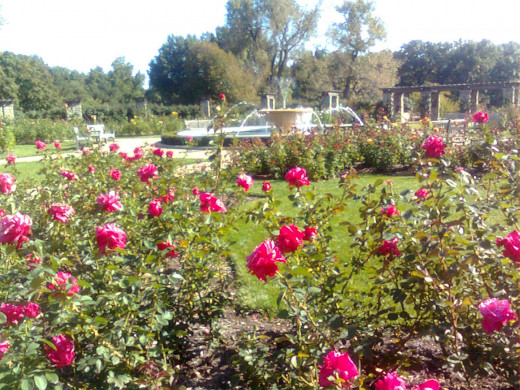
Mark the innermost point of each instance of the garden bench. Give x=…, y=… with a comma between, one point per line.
x=99, y=133
x=81, y=138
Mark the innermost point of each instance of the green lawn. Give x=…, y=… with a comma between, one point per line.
x=30, y=150
x=253, y=294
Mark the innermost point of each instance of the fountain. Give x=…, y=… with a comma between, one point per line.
x=287, y=118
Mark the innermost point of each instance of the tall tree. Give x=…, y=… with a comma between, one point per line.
x=267, y=33
x=359, y=31
x=188, y=70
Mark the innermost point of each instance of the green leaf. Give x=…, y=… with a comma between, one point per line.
x=40, y=381
x=24, y=384
x=51, y=377
x=3, y=318
x=50, y=344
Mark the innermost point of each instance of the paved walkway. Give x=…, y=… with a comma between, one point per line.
x=128, y=145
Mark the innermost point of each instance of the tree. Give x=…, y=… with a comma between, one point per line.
x=267, y=33
x=355, y=35
x=312, y=76
x=188, y=70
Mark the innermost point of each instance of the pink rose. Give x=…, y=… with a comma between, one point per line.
x=266, y=186
x=60, y=282
x=61, y=212
x=169, y=154
x=480, y=117
x=125, y=156
x=69, y=175
x=109, y=202
x=421, y=193
x=158, y=152
x=297, y=177
x=85, y=151
x=147, y=172
x=309, y=234
x=14, y=229
x=389, y=247
x=155, y=208
x=262, y=262
x=32, y=310
x=169, y=197
x=511, y=246
x=337, y=365
x=496, y=313
x=115, y=174
x=64, y=354
x=10, y=158
x=189, y=138
x=431, y=384
x=113, y=147
x=434, y=146
x=111, y=237
x=289, y=238
x=168, y=245
x=32, y=260
x=4, y=347
x=245, y=182
x=389, y=211
x=210, y=203
x=14, y=313
x=57, y=145
x=92, y=168
x=391, y=381
x=40, y=145
x=7, y=183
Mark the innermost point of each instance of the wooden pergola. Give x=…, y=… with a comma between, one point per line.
x=393, y=98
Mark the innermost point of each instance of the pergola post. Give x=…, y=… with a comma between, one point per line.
x=398, y=103
x=509, y=95
x=426, y=104
x=388, y=101
x=435, y=105
x=474, y=100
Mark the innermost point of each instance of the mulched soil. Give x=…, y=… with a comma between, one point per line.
x=211, y=368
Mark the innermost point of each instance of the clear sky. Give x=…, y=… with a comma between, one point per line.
x=83, y=34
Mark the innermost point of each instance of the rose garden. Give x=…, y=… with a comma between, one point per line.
x=288, y=267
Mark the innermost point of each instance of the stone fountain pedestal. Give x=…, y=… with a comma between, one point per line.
x=287, y=118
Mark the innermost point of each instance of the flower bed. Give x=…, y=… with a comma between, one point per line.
x=115, y=265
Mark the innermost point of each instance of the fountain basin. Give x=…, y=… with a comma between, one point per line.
x=287, y=118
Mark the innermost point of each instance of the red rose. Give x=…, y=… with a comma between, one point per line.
x=10, y=158
x=167, y=245
x=155, y=208
x=511, y=246
x=169, y=154
x=337, y=365
x=71, y=176
x=389, y=247
x=61, y=281
x=210, y=203
x=290, y=238
x=7, y=183
x=61, y=212
x=92, y=168
x=109, y=202
x=32, y=310
x=222, y=97
x=115, y=174
x=14, y=229
x=57, y=145
x=32, y=260
x=421, y=193
x=266, y=186
x=245, y=182
x=111, y=237
x=434, y=146
x=4, y=347
x=14, y=313
x=309, y=234
x=158, y=152
x=480, y=117
x=195, y=191
x=64, y=354
x=262, y=262
x=113, y=147
x=147, y=172
x=169, y=197
x=297, y=177
x=40, y=145
x=389, y=211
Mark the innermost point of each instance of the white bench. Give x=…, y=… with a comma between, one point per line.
x=99, y=133
x=82, y=139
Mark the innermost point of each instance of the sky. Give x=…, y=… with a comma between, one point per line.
x=82, y=35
